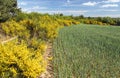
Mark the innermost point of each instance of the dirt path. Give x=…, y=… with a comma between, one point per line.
x=48, y=56
x=5, y=40
x=9, y=39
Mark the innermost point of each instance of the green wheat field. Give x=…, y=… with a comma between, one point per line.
x=87, y=51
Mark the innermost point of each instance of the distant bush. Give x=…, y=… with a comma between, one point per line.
x=93, y=21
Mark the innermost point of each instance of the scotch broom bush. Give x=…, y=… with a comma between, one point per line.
x=12, y=28
x=18, y=61
x=24, y=58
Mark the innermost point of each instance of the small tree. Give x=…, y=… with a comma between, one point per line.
x=81, y=16
x=8, y=8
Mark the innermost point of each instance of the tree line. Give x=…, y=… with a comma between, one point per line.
x=115, y=21
x=9, y=9
x=99, y=20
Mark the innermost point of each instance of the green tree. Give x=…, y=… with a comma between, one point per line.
x=81, y=16
x=8, y=8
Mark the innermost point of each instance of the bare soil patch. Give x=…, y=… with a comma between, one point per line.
x=48, y=57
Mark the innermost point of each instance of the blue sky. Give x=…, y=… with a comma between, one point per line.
x=73, y=7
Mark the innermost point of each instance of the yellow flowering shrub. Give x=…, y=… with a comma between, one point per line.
x=45, y=28
x=75, y=22
x=13, y=28
x=37, y=45
x=18, y=61
x=66, y=22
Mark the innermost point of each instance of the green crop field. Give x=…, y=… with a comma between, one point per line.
x=87, y=51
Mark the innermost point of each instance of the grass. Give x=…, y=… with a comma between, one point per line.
x=87, y=51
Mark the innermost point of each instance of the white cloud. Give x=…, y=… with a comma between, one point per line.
x=25, y=9
x=90, y=3
x=112, y=1
x=22, y=3
x=109, y=5
x=76, y=5
x=68, y=1
x=38, y=7
x=110, y=10
x=34, y=9
x=66, y=12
